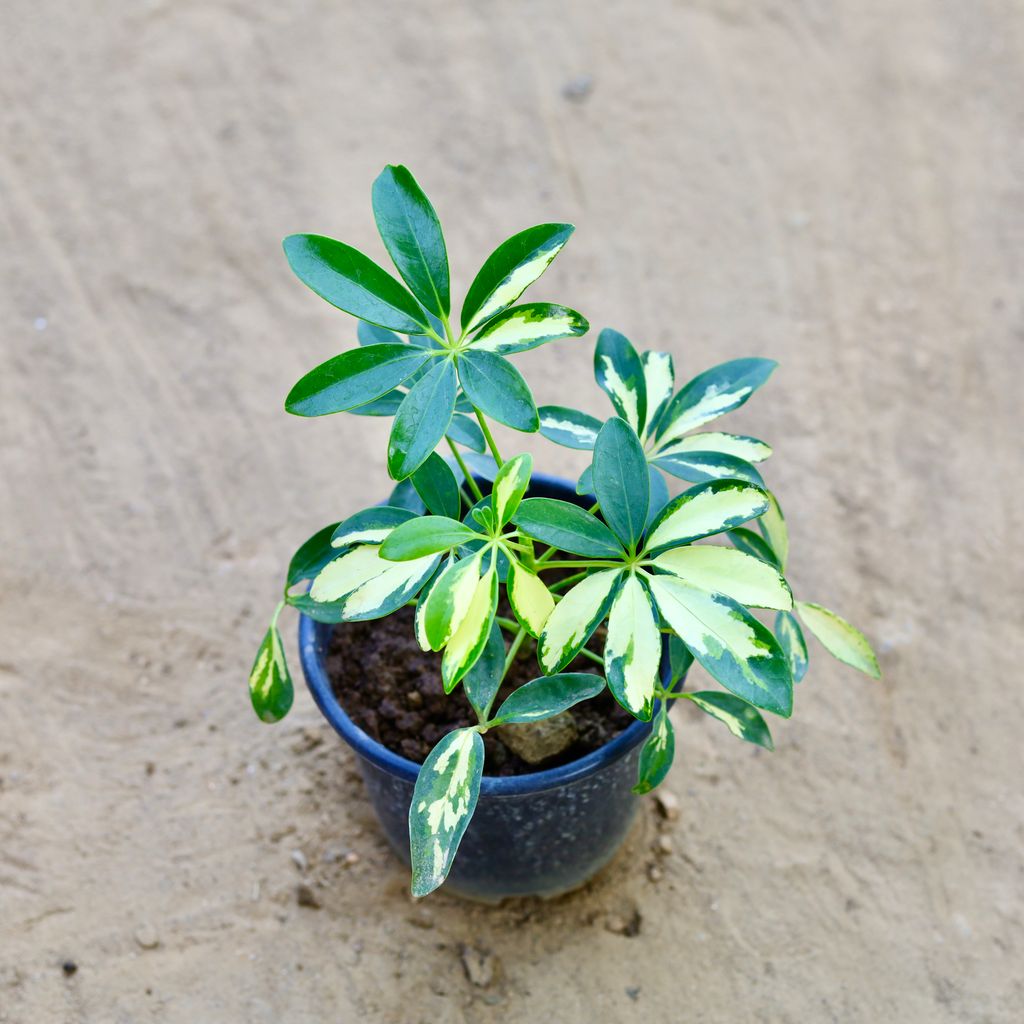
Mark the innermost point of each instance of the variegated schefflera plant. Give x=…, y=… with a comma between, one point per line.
x=632, y=560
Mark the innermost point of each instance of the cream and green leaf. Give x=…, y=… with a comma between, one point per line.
x=270, y=684
x=657, y=753
x=632, y=649
x=842, y=640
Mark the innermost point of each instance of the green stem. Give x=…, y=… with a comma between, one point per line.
x=489, y=437
x=277, y=611
x=510, y=624
x=591, y=655
x=600, y=563
x=473, y=486
x=567, y=582
x=517, y=642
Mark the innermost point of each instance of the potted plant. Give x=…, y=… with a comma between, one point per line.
x=529, y=595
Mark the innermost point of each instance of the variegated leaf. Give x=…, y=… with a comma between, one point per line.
x=510, y=270
x=842, y=640
x=575, y=618
x=738, y=716
x=370, y=526
x=529, y=326
x=620, y=374
x=509, y=487
x=365, y=586
x=754, y=544
x=699, y=467
x=773, y=526
x=657, y=753
x=705, y=510
x=548, y=696
x=750, y=449
x=729, y=642
x=791, y=638
x=727, y=571
x=712, y=393
x=442, y=609
x=443, y=802
x=569, y=427
x=531, y=601
x=270, y=684
x=632, y=649
x=659, y=380
x=311, y=556
x=470, y=638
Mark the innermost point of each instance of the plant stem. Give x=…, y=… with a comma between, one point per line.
x=579, y=565
x=567, y=582
x=489, y=437
x=591, y=655
x=277, y=611
x=473, y=486
x=517, y=641
x=510, y=624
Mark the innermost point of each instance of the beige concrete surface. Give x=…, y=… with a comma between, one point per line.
x=837, y=185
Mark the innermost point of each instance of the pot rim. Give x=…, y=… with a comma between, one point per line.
x=491, y=785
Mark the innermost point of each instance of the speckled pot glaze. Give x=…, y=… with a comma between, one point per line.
x=541, y=834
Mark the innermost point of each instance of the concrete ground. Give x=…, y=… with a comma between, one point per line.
x=837, y=185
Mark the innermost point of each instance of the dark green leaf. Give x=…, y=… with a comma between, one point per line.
x=482, y=466
x=436, y=485
x=353, y=378
x=741, y=719
x=270, y=684
x=443, y=802
x=751, y=543
x=371, y=334
x=699, y=467
x=621, y=480
x=320, y=611
x=353, y=282
x=498, y=390
x=370, y=526
x=548, y=696
x=791, y=638
x=659, y=495
x=657, y=753
x=585, y=484
x=425, y=536
x=412, y=236
x=569, y=427
x=314, y=554
x=467, y=432
x=483, y=680
x=620, y=374
x=386, y=405
x=566, y=527
x=680, y=659
x=404, y=496
x=422, y=420
x=511, y=269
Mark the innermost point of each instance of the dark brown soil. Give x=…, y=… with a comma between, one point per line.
x=392, y=690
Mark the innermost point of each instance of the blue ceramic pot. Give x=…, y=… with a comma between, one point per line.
x=540, y=834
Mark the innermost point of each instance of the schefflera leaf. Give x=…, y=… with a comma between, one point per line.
x=270, y=684
x=747, y=580
x=567, y=527
x=737, y=715
x=791, y=639
x=510, y=270
x=443, y=802
x=469, y=639
x=422, y=420
x=531, y=601
x=435, y=483
x=632, y=649
x=442, y=608
x=548, y=696
x=657, y=753
x=620, y=374
x=498, y=390
x=576, y=616
x=527, y=327
x=842, y=640
x=705, y=510
x=621, y=480
x=569, y=427
x=509, y=487
x=311, y=556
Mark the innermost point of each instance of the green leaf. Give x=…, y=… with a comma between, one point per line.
x=620, y=374
x=711, y=394
x=370, y=526
x=585, y=484
x=354, y=378
x=353, y=282
x=727, y=571
x=403, y=495
x=659, y=495
x=773, y=527
x=530, y=599
x=509, y=487
x=842, y=640
x=435, y=483
x=751, y=543
x=739, y=717
x=311, y=557
x=632, y=650
x=659, y=380
x=510, y=270
x=427, y=535
x=527, y=327
x=362, y=585
x=791, y=639
x=750, y=449
x=575, y=618
x=483, y=680
x=386, y=405
x=468, y=641
x=371, y=334
x=467, y=432
x=548, y=696
x=441, y=609
x=443, y=802
x=270, y=684
x=422, y=420
x=657, y=753
x=482, y=466
x=705, y=510
x=699, y=467
x=621, y=480
x=567, y=527
x=680, y=659
x=498, y=390
x=731, y=645
x=569, y=427
x=412, y=236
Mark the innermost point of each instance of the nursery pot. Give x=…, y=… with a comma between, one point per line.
x=543, y=833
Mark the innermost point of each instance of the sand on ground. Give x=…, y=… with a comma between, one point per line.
x=839, y=186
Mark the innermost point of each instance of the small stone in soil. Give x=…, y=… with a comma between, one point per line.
x=479, y=965
x=305, y=896
x=146, y=936
x=654, y=873
x=535, y=742
x=351, y=859
x=299, y=860
x=668, y=804
x=69, y=967
x=664, y=845
x=633, y=991
x=619, y=925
